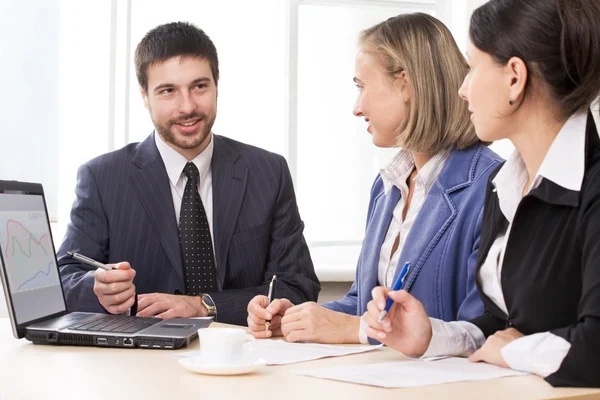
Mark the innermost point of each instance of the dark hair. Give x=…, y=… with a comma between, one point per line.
x=558, y=40
x=170, y=40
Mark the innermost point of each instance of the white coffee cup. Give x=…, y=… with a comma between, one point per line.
x=223, y=345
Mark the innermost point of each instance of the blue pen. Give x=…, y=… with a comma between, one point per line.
x=397, y=286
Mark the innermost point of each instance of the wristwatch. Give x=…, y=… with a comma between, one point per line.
x=208, y=302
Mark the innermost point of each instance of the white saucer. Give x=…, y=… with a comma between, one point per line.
x=245, y=366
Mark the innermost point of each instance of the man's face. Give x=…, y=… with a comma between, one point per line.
x=182, y=101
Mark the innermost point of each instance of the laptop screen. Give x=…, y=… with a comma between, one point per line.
x=28, y=257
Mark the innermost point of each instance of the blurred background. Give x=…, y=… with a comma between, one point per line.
x=69, y=93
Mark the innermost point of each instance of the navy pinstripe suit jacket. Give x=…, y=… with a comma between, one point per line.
x=124, y=212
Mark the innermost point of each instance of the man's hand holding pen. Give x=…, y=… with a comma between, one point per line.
x=113, y=283
x=114, y=288
x=265, y=313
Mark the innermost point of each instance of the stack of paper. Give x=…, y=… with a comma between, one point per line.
x=280, y=352
x=412, y=373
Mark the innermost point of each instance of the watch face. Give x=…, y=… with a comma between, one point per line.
x=208, y=301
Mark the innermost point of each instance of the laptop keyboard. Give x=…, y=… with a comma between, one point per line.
x=114, y=323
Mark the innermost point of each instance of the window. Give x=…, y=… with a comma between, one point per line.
x=286, y=85
x=251, y=47
x=29, y=79
x=336, y=160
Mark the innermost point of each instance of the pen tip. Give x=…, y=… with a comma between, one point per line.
x=382, y=315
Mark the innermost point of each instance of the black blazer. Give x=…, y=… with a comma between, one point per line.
x=551, y=270
x=124, y=212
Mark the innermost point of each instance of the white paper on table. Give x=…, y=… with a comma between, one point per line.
x=434, y=358
x=412, y=373
x=280, y=352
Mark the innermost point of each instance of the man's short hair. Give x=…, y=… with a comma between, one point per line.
x=175, y=39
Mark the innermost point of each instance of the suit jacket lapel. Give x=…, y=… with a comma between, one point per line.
x=438, y=211
x=149, y=179
x=229, y=177
x=432, y=221
x=369, y=258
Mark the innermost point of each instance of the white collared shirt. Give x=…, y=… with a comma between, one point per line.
x=396, y=173
x=540, y=353
x=174, y=164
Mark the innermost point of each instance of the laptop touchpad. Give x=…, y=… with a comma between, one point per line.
x=176, y=326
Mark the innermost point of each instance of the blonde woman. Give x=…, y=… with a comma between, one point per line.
x=426, y=204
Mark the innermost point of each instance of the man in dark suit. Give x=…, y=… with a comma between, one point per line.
x=195, y=224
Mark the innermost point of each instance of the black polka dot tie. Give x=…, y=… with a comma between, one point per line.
x=195, y=240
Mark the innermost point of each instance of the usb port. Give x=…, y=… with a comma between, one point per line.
x=144, y=345
x=156, y=345
x=101, y=340
x=168, y=345
x=128, y=342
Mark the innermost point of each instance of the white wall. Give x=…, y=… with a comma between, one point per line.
x=28, y=106
x=56, y=88
x=77, y=76
x=53, y=75
x=29, y=34
x=83, y=115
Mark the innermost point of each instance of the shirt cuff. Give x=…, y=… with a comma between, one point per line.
x=362, y=332
x=540, y=353
x=457, y=338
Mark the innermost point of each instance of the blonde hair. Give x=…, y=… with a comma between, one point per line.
x=424, y=48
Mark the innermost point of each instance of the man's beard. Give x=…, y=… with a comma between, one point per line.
x=205, y=126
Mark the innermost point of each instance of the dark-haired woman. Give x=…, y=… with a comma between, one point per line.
x=535, y=71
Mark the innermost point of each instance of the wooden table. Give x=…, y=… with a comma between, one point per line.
x=37, y=372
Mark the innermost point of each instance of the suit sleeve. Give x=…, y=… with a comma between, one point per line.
x=472, y=305
x=581, y=366
x=488, y=324
x=349, y=303
x=289, y=259
x=86, y=234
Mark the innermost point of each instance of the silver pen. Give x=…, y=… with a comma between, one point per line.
x=88, y=261
x=96, y=264
x=270, y=297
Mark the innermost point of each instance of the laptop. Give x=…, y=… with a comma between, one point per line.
x=34, y=294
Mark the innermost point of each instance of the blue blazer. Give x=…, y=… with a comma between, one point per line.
x=442, y=245
x=124, y=212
